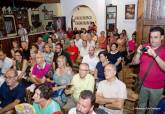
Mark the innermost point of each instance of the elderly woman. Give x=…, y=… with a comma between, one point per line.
x=73, y=51
x=62, y=76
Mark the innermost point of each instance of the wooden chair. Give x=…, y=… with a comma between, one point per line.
x=132, y=96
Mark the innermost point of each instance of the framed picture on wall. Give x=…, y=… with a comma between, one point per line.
x=130, y=11
x=10, y=25
x=60, y=23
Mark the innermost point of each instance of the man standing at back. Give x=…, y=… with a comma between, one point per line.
x=152, y=86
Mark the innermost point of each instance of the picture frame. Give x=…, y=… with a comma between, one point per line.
x=130, y=11
x=60, y=23
x=10, y=26
x=48, y=15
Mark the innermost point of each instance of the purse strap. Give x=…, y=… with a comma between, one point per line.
x=149, y=66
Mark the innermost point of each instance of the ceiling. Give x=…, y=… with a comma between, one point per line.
x=26, y=3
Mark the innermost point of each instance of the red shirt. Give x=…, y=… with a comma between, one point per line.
x=70, y=34
x=131, y=45
x=156, y=76
x=74, y=49
x=102, y=42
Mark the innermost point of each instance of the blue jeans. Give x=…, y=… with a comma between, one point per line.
x=148, y=95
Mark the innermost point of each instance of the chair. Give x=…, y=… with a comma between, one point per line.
x=131, y=102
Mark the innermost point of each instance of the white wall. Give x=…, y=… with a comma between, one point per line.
x=97, y=6
x=128, y=25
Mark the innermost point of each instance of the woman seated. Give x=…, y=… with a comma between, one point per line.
x=15, y=47
x=115, y=57
x=51, y=44
x=62, y=77
x=43, y=104
x=20, y=64
x=48, y=54
x=99, y=71
x=73, y=51
x=32, y=60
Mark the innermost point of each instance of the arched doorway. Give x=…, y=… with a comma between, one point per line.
x=81, y=17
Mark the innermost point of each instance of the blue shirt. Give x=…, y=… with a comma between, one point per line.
x=160, y=107
x=8, y=96
x=100, y=71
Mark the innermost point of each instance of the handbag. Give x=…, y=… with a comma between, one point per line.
x=139, y=82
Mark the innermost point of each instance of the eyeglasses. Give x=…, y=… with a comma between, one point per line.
x=9, y=78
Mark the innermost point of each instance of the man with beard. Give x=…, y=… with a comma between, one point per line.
x=85, y=103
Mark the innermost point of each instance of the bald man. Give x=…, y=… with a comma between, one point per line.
x=111, y=101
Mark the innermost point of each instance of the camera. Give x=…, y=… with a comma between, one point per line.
x=144, y=49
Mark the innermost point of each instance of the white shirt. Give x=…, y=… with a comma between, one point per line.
x=84, y=51
x=91, y=43
x=78, y=43
x=92, y=62
x=116, y=89
x=73, y=111
x=5, y=64
x=23, y=33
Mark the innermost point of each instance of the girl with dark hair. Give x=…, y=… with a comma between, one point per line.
x=43, y=104
x=19, y=63
x=115, y=57
x=100, y=66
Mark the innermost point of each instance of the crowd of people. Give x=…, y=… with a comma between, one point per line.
x=46, y=69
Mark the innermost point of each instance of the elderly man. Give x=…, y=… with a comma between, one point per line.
x=85, y=103
x=40, y=70
x=111, y=92
x=91, y=59
x=12, y=92
x=81, y=81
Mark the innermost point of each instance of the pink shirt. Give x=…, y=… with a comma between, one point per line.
x=155, y=78
x=131, y=45
x=41, y=72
